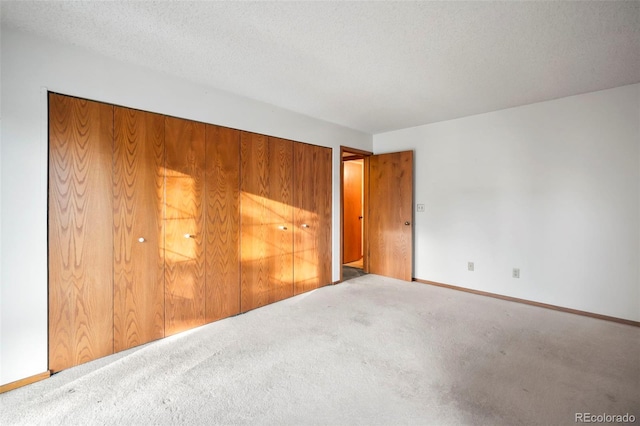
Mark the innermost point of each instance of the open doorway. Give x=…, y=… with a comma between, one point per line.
x=387, y=220
x=353, y=177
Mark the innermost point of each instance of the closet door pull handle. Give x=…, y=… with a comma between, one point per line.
x=188, y=236
x=304, y=225
x=284, y=228
x=141, y=240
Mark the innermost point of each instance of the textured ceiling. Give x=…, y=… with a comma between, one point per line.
x=372, y=66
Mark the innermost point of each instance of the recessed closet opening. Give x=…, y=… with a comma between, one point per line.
x=158, y=224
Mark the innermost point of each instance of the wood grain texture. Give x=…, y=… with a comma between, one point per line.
x=365, y=208
x=266, y=220
x=353, y=220
x=281, y=216
x=184, y=225
x=80, y=232
x=312, y=217
x=222, y=222
x=138, y=190
x=390, y=206
x=255, y=246
x=324, y=184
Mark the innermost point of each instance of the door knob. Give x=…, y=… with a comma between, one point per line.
x=359, y=217
x=407, y=223
x=284, y=228
x=304, y=225
x=141, y=240
x=188, y=236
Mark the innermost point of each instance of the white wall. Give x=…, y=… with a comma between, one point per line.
x=552, y=188
x=1, y=206
x=32, y=65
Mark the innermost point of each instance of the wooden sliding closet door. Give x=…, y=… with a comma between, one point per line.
x=265, y=220
x=312, y=217
x=281, y=218
x=184, y=225
x=254, y=214
x=138, y=255
x=222, y=222
x=80, y=232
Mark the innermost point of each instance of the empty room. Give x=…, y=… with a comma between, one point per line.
x=319, y=212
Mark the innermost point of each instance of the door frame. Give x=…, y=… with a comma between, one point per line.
x=355, y=154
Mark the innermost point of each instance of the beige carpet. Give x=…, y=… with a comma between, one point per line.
x=371, y=351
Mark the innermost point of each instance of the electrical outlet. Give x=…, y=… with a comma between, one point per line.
x=516, y=272
x=420, y=208
x=470, y=266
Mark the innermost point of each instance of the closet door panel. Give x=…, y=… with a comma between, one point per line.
x=280, y=210
x=138, y=170
x=312, y=217
x=256, y=246
x=324, y=211
x=184, y=225
x=222, y=222
x=80, y=234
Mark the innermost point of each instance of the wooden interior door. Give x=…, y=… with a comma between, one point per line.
x=222, y=222
x=312, y=217
x=266, y=255
x=80, y=231
x=184, y=235
x=390, y=225
x=352, y=234
x=138, y=211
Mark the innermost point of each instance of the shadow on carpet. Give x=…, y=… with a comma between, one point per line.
x=349, y=273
